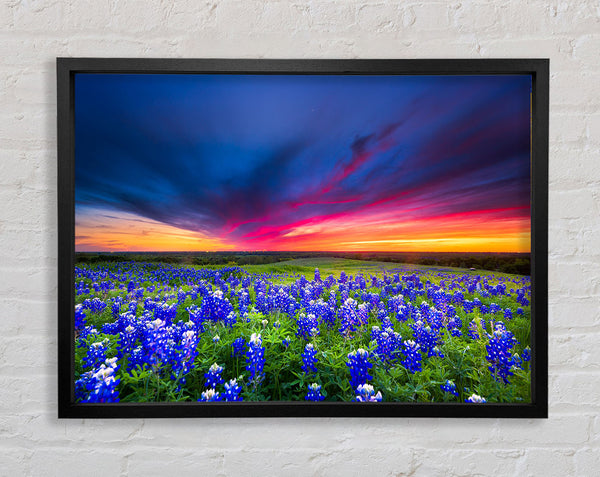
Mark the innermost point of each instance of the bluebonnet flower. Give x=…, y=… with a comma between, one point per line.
x=244, y=301
x=165, y=312
x=366, y=393
x=473, y=330
x=181, y=296
x=98, y=385
x=115, y=307
x=412, y=352
x=468, y=306
x=232, y=391
x=329, y=281
x=309, y=359
x=454, y=325
x=196, y=317
x=216, y=339
x=394, y=304
x=149, y=304
x=349, y=316
x=449, y=387
x=95, y=305
x=255, y=359
x=96, y=354
x=286, y=342
x=127, y=340
x=213, y=376
x=230, y=319
x=499, y=353
x=261, y=302
x=474, y=398
x=79, y=318
x=388, y=343
x=517, y=361
x=215, y=307
x=239, y=346
x=185, y=352
x=526, y=354
x=210, y=395
x=85, y=333
x=308, y=326
x=169, y=351
x=360, y=281
x=358, y=362
x=324, y=312
x=82, y=288
x=132, y=307
x=314, y=393
x=426, y=338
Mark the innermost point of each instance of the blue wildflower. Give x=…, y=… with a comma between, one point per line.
x=426, y=338
x=98, y=385
x=499, y=353
x=210, y=395
x=79, y=318
x=366, y=393
x=358, y=362
x=309, y=359
x=412, y=352
x=239, y=345
x=96, y=354
x=232, y=391
x=314, y=393
x=255, y=359
x=213, y=376
x=474, y=398
x=308, y=326
x=388, y=343
x=449, y=387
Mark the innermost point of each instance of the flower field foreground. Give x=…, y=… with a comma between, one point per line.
x=154, y=332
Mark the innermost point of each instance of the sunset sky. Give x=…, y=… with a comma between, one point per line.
x=311, y=163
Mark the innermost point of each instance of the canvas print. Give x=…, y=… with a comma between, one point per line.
x=302, y=238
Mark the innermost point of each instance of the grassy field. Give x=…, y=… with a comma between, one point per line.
x=334, y=266
x=152, y=332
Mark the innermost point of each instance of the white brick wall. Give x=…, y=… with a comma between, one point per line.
x=33, y=442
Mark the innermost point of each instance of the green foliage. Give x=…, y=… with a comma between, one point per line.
x=464, y=359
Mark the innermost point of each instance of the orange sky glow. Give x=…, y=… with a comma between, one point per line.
x=480, y=231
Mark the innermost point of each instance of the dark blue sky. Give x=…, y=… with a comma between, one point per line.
x=267, y=162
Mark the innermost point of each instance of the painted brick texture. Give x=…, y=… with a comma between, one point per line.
x=32, y=440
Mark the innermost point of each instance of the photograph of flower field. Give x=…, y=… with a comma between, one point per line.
x=302, y=238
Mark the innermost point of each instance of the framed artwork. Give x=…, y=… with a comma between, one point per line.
x=245, y=238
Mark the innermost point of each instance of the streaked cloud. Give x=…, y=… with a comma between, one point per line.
x=213, y=162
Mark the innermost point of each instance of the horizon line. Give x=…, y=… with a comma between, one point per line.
x=288, y=251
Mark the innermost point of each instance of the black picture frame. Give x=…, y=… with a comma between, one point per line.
x=539, y=71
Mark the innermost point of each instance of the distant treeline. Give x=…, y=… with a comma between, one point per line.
x=518, y=263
